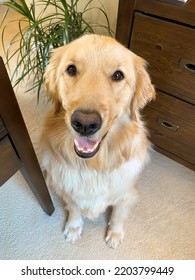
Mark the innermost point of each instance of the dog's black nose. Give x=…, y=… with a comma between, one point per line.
x=85, y=122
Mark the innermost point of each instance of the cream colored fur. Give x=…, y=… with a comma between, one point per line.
x=89, y=186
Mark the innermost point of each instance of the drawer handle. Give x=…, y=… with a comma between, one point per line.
x=185, y=64
x=168, y=125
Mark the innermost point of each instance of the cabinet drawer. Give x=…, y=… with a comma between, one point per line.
x=9, y=162
x=170, y=50
x=172, y=126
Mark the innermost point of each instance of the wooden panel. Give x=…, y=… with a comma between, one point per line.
x=169, y=9
x=167, y=118
x=124, y=21
x=3, y=130
x=9, y=161
x=167, y=47
x=14, y=123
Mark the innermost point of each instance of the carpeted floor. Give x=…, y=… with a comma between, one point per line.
x=160, y=226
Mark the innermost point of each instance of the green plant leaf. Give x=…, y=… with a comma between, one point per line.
x=40, y=30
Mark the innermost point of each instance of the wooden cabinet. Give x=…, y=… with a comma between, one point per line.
x=8, y=167
x=16, y=150
x=170, y=50
x=163, y=33
x=172, y=126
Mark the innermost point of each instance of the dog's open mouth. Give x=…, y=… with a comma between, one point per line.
x=86, y=147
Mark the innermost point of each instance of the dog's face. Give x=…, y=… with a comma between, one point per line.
x=99, y=84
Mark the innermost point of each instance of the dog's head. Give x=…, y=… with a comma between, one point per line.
x=99, y=84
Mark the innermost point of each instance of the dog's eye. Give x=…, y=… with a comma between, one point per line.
x=71, y=70
x=118, y=76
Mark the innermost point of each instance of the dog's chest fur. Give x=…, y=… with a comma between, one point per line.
x=90, y=190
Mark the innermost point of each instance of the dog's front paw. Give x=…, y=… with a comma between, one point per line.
x=113, y=238
x=72, y=233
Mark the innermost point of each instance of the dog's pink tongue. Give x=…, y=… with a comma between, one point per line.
x=85, y=144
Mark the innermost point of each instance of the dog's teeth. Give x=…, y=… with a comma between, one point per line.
x=76, y=143
x=96, y=145
x=85, y=150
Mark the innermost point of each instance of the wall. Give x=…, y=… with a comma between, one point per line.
x=111, y=7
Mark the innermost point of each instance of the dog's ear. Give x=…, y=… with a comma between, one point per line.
x=50, y=78
x=144, y=90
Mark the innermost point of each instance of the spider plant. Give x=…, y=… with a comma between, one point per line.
x=40, y=30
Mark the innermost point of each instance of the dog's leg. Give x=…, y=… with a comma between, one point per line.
x=74, y=225
x=115, y=232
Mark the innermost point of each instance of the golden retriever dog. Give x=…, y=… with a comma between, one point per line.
x=94, y=141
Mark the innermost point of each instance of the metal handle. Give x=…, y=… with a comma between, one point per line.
x=188, y=65
x=168, y=124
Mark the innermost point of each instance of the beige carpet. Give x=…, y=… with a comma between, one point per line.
x=160, y=226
